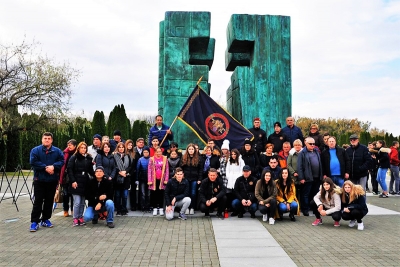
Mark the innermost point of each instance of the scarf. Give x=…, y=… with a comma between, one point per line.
x=207, y=163
x=122, y=165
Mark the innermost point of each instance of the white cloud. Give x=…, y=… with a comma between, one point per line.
x=345, y=55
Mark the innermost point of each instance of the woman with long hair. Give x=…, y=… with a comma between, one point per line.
x=234, y=169
x=266, y=196
x=210, y=160
x=79, y=168
x=354, y=206
x=64, y=181
x=193, y=172
x=106, y=160
x=286, y=196
x=383, y=165
x=327, y=202
x=122, y=182
x=158, y=175
x=131, y=152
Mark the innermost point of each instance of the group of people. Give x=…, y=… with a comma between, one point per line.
x=273, y=174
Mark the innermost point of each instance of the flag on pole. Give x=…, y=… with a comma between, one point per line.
x=207, y=119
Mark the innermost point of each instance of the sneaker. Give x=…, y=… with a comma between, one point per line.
x=336, y=224
x=75, y=222
x=292, y=218
x=46, y=223
x=360, y=226
x=155, y=211
x=207, y=214
x=271, y=221
x=161, y=212
x=352, y=223
x=398, y=193
x=191, y=212
x=240, y=215
x=34, y=227
x=81, y=221
x=374, y=193
x=265, y=218
x=252, y=215
x=66, y=214
x=317, y=222
x=383, y=196
x=220, y=216
x=119, y=214
x=187, y=212
x=368, y=191
x=110, y=225
x=392, y=193
x=182, y=216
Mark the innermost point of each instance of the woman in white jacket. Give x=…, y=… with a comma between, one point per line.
x=234, y=168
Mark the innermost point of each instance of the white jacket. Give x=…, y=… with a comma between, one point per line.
x=233, y=172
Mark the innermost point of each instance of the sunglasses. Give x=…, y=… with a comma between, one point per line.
x=311, y=144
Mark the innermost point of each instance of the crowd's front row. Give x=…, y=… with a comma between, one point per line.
x=271, y=198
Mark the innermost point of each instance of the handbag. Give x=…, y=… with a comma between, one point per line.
x=59, y=195
x=120, y=179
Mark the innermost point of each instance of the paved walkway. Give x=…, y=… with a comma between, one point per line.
x=141, y=239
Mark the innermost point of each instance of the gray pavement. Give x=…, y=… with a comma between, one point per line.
x=141, y=239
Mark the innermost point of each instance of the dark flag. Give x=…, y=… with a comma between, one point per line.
x=209, y=120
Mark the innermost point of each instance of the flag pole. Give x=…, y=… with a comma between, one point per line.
x=162, y=141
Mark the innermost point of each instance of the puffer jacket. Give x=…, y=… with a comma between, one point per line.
x=360, y=161
x=108, y=163
x=79, y=168
x=383, y=158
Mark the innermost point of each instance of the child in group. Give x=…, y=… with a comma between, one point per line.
x=354, y=206
x=142, y=179
x=158, y=176
x=154, y=144
x=174, y=161
x=327, y=202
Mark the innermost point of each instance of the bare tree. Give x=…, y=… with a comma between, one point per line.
x=32, y=83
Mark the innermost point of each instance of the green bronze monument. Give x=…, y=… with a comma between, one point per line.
x=186, y=54
x=258, y=53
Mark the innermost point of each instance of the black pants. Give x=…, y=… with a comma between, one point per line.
x=354, y=214
x=132, y=194
x=67, y=198
x=144, y=196
x=44, y=198
x=157, y=196
x=374, y=182
x=220, y=204
x=336, y=216
x=270, y=211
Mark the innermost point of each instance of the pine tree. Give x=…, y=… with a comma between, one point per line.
x=98, y=123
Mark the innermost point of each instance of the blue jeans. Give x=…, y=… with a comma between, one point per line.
x=238, y=206
x=193, y=193
x=394, y=171
x=121, y=197
x=381, y=178
x=79, y=206
x=282, y=208
x=90, y=212
x=337, y=180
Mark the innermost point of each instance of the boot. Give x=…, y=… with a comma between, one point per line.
x=291, y=216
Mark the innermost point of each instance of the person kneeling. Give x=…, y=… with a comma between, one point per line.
x=327, y=202
x=212, y=194
x=244, y=192
x=177, y=196
x=99, y=198
x=354, y=204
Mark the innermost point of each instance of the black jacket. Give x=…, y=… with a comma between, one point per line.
x=260, y=139
x=360, y=161
x=245, y=188
x=358, y=203
x=209, y=189
x=107, y=162
x=214, y=163
x=383, y=158
x=173, y=164
x=177, y=190
x=344, y=161
x=192, y=173
x=127, y=179
x=95, y=189
x=79, y=168
x=277, y=139
x=251, y=158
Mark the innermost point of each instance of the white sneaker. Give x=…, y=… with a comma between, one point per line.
x=191, y=211
x=161, y=212
x=187, y=212
x=154, y=212
x=352, y=223
x=265, y=217
x=271, y=221
x=360, y=226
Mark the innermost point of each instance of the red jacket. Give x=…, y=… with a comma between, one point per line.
x=394, y=156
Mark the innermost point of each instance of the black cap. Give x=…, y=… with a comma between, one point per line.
x=353, y=136
x=246, y=168
x=99, y=168
x=117, y=132
x=278, y=124
x=247, y=141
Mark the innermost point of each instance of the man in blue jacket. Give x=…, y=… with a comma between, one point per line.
x=292, y=131
x=46, y=161
x=161, y=130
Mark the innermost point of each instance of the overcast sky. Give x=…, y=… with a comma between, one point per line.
x=345, y=54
